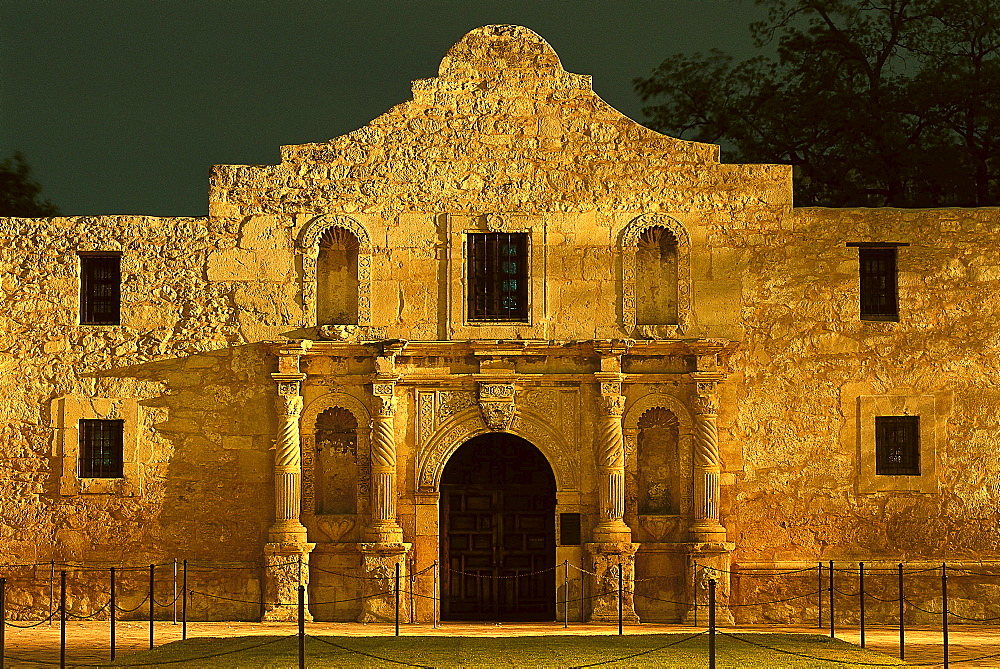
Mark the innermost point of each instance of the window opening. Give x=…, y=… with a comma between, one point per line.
x=498, y=276
x=101, y=448
x=878, y=284
x=100, y=289
x=897, y=445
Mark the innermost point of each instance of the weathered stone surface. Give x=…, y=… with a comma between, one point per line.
x=503, y=139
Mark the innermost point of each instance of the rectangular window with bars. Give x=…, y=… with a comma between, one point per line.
x=878, y=283
x=101, y=448
x=498, y=276
x=897, y=445
x=100, y=289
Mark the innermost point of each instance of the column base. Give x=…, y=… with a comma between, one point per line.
x=386, y=532
x=287, y=532
x=708, y=532
x=612, y=532
x=606, y=558
x=286, y=565
x=378, y=563
x=705, y=561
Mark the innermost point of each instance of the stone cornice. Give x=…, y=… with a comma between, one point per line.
x=519, y=348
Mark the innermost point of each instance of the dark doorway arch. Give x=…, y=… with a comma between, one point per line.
x=497, y=520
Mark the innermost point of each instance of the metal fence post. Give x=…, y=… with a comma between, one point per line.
x=152, y=568
x=694, y=589
x=175, y=592
x=112, y=605
x=902, y=633
x=52, y=586
x=410, y=577
x=819, y=601
x=62, y=619
x=944, y=611
x=3, y=620
x=395, y=590
x=711, y=623
x=583, y=599
x=833, y=633
x=302, y=625
x=434, y=596
x=566, y=594
x=621, y=592
x=184, y=602
x=861, y=599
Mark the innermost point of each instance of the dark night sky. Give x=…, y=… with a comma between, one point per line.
x=121, y=106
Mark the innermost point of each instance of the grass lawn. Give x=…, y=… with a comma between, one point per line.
x=538, y=651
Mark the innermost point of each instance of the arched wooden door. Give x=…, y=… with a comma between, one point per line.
x=498, y=498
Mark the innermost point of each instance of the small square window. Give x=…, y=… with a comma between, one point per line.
x=878, y=283
x=100, y=289
x=101, y=448
x=897, y=445
x=498, y=276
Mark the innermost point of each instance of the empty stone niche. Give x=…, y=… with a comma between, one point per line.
x=656, y=278
x=336, y=468
x=337, y=278
x=658, y=463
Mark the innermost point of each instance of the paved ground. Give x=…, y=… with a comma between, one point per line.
x=87, y=641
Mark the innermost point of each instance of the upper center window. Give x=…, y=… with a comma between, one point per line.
x=498, y=276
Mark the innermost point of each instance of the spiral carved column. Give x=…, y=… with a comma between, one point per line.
x=707, y=466
x=384, y=528
x=286, y=555
x=612, y=551
x=611, y=471
x=383, y=547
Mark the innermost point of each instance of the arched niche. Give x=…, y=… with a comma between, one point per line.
x=659, y=244
x=324, y=230
x=638, y=415
x=308, y=431
x=464, y=426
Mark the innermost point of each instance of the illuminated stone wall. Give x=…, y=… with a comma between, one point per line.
x=765, y=332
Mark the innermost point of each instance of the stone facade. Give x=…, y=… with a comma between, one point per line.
x=734, y=432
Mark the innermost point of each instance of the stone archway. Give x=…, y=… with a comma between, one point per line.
x=497, y=531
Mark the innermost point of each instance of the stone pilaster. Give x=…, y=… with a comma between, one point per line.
x=286, y=555
x=606, y=559
x=612, y=549
x=286, y=566
x=709, y=562
x=707, y=466
x=378, y=562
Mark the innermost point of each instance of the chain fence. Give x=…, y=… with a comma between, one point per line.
x=856, y=595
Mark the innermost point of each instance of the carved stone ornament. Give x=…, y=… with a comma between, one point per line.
x=338, y=332
x=494, y=222
x=386, y=405
x=288, y=405
x=613, y=405
x=611, y=388
x=382, y=389
x=707, y=405
x=496, y=403
x=286, y=388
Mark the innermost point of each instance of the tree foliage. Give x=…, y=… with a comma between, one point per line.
x=874, y=103
x=20, y=193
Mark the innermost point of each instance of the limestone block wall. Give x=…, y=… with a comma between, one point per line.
x=193, y=391
x=792, y=413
